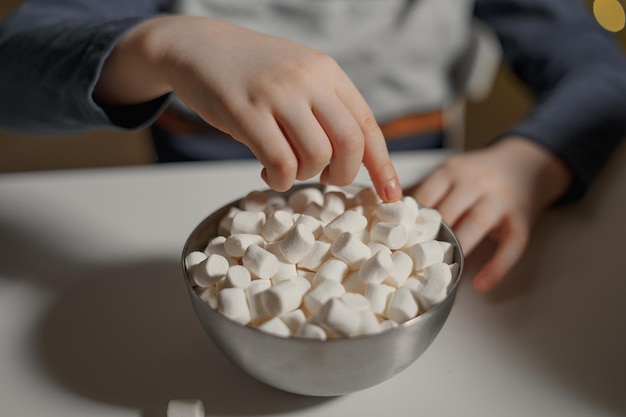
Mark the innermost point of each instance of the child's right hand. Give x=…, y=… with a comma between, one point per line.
x=293, y=106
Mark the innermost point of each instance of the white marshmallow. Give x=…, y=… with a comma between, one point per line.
x=296, y=243
x=334, y=204
x=402, y=268
x=425, y=254
x=431, y=220
x=232, y=303
x=375, y=269
x=284, y=272
x=223, y=227
x=209, y=296
x=354, y=283
x=293, y=319
x=417, y=233
x=392, y=235
x=311, y=223
x=194, y=258
x=448, y=252
x=366, y=197
x=277, y=202
x=438, y=278
x=313, y=210
x=411, y=202
x=308, y=275
x=378, y=295
x=236, y=245
x=402, y=306
x=185, y=408
x=396, y=212
x=254, y=201
x=237, y=276
x=216, y=245
x=300, y=199
x=350, y=249
x=276, y=327
x=283, y=297
x=262, y=263
x=316, y=256
x=454, y=270
x=248, y=222
x=414, y=284
x=311, y=331
x=336, y=317
x=254, y=297
x=368, y=323
x=333, y=268
x=357, y=302
x=321, y=293
x=277, y=225
x=348, y=221
x=388, y=325
x=376, y=246
x=211, y=270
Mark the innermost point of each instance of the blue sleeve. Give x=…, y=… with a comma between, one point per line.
x=577, y=72
x=52, y=53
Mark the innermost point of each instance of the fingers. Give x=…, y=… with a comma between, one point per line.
x=478, y=221
x=513, y=240
x=430, y=192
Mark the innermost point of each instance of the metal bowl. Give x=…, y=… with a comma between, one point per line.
x=314, y=367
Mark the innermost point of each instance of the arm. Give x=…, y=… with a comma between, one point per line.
x=52, y=54
x=578, y=75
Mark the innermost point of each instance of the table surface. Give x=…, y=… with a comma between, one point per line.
x=95, y=320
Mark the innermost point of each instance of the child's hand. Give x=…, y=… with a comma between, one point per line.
x=292, y=106
x=497, y=191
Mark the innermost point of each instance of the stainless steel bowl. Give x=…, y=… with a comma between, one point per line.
x=313, y=367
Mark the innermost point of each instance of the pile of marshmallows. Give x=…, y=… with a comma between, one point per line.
x=324, y=263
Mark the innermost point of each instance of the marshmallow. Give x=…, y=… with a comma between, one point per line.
x=209, y=296
x=376, y=246
x=378, y=295
x=348, y=221
x=300, y=199
x=293, y=319
x=283, y=297
x=277, y=202
x=392, y=235
x=232, y=303
x=368, y=323
x=350, y=249
x=311, y=223
x=277, y=225
x=366, y=197
x=296, y=243
x=387, y=325
x=185, y=408
x=284, y=272
x=339, y=319
x=334, y=204
x=402, y=268
x=448, y=252
x=411, y=202
x=254, y=297
x=223, y=227
x=333, y=268
x=402, y=306
x=262, y=263
x=438, y=279
x=417, y=233
x=313, y=210
x=397, y=212
x=425, y=254
x=254, y=201
x=321, y=293
x=194, y=258
x=316, y=256
x=375, y=269
x=236, y=245
x=210, y=271
x=216, y=245
x=311, y=331
x=357, y=302
x=237, y=276
x=413, y=284
x=431, y=220
x=248, y=222
x=353, y=282
x=276, y=327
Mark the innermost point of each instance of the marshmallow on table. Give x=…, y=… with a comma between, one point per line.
x=296, y=243
x=211, y=270
x=262, y=263
x=321, y=293
x=333, y=269
x=348, y=221
x=185, y=408
x=350, y=249
x=277, y=225
x=426, y=253
x=376, y=268
x=232, y=303
x=402, y=306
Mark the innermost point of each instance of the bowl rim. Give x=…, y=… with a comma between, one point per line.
x=345, y=339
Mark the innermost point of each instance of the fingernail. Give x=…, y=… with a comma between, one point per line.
x=392, y=191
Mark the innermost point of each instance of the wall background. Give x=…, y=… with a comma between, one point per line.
x=507, y=103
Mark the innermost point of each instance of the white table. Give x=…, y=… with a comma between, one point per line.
x=95, y=321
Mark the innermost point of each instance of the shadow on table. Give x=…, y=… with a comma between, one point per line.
x=127, y=335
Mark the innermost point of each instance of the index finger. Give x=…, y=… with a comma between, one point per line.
x=375, y=154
